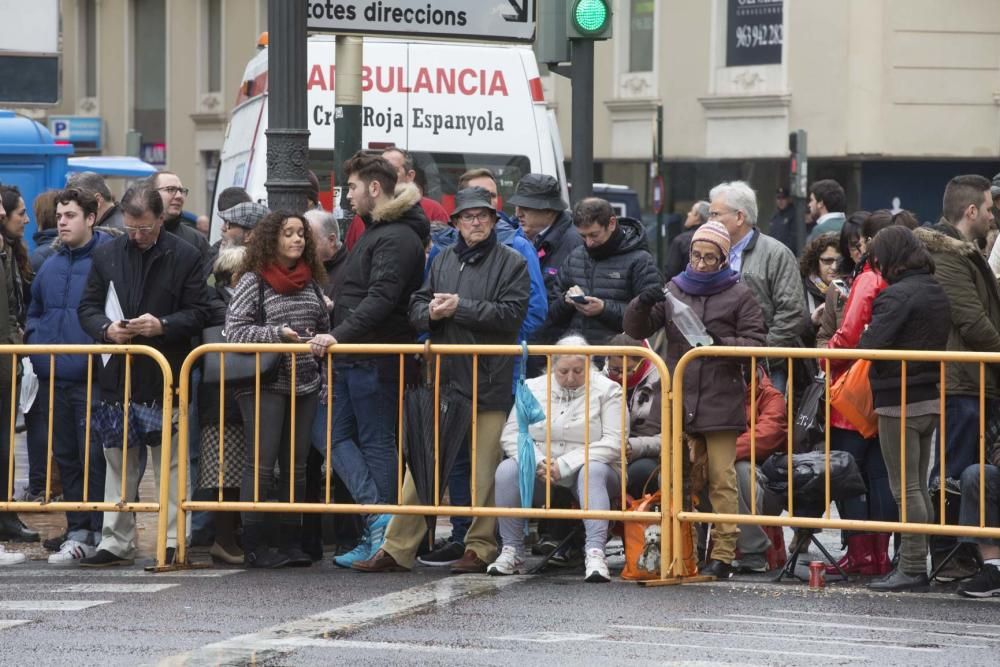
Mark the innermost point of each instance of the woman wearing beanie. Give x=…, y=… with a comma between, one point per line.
x=714, y=390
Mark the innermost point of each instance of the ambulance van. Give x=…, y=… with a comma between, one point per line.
x=453, y=106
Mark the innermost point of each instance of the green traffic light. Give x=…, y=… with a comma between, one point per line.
x=590, y=16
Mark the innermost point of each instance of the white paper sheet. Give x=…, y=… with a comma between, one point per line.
x=113, y=311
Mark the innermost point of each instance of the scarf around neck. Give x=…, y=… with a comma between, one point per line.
x=472, y=254
x=609, y=247
x=287, y=281
x=706, y=284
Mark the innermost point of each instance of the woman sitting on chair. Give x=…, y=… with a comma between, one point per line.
x=568, y=463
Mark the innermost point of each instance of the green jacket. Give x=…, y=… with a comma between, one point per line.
x=771, y=272
x=975, y=308
x=9, y=331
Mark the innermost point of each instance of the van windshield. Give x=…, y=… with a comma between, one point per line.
x=438, y=174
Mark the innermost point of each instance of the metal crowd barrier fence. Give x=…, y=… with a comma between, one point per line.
x=824, y=357
x=93, y=354
x=432, y=354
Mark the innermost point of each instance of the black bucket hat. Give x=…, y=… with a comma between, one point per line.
x=539, y=191
x=474, y=197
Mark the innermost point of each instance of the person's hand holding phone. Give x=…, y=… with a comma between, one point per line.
x=118, y=333
x=145, y=325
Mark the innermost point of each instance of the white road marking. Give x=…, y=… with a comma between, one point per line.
x=704, y=648
x=50, y=605
x=91, y=574
x=549, y=637
x=304, y=642
x=935, y=621
x=840, y=641
x=12, y=624
x=112, y=588
x=755, y=620
x=281, y=639
x=803, y=591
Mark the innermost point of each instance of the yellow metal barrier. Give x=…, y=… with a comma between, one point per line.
x=433, y=352
x=824, y=356
x=46, y=505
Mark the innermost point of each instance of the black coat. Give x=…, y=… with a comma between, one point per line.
x=167, y=282
x=912, y=313
x=554, y=247
x=195, y=238
x=493, y=302
x=383, y=269
x=616, y=280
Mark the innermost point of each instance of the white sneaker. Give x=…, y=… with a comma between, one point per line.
x=10, y=557
x=71, y=552
x=597, y=567
x=507, y=563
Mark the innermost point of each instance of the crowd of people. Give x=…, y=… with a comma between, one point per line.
x=408, y=270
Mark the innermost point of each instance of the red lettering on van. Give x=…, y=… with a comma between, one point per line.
x=436, y=81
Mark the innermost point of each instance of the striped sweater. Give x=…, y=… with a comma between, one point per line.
x=300, y=311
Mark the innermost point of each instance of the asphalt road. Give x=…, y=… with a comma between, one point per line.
x=325, y=616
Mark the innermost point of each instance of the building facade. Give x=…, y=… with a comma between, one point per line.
x=896, y=95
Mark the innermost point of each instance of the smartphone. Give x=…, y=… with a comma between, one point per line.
x=123, y=323
x=841, y=286
x=579, y=298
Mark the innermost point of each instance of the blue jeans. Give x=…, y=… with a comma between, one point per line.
x=364, y=431
x=961, y=445
x=69, y=407
x=460, y=493
x=878, y=504
x=969, y=514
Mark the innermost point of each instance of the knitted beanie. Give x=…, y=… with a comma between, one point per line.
x=715, y=233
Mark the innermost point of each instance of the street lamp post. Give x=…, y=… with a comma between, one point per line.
x=288, y=129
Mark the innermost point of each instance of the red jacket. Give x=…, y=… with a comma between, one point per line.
x=433, y=210
x=857, y=314
x=771, y=425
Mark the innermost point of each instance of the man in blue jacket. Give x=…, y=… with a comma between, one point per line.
x=52, y=318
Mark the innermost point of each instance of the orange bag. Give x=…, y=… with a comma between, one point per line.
x=851, y=395
x=642, y=543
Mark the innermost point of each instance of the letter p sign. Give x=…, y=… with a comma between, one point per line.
x=60, y=129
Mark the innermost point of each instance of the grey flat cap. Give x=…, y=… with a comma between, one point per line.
x=245, y=215
x=539, y=191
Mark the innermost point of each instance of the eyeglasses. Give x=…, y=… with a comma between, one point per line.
x=139, y=230
x=173, y=190
x=829, y=261
x=709, y=260
x=483, y=216
x=715, y=215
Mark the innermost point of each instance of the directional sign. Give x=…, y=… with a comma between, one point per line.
x=482, y=20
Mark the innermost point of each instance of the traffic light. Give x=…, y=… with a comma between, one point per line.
x=589, y=19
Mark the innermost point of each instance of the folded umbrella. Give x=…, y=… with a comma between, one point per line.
x=528, y=411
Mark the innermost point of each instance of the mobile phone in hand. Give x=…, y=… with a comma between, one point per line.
x=579, y=298
x=123, y=323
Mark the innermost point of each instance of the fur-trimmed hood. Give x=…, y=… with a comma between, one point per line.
x=939, y=243
x=405, y=208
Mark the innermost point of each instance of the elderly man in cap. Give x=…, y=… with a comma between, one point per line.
x=476, y=293
x=239, y=222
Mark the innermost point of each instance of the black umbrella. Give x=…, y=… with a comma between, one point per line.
x=455, y=418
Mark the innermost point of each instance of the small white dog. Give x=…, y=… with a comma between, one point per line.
x=649, y=560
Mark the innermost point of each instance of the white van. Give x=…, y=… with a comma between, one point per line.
x=452, y=106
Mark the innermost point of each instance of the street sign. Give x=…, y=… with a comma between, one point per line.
x=483, y=20
x=81, y=131
x=658, y=191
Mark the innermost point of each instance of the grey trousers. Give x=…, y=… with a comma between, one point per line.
x=752, y=540
x=605, y=484
x=919, y=509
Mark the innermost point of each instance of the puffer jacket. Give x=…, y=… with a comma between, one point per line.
x=616, y=280
x=43, y=247
x=771, y=424
x=52, y=313
x=714, y=390
x=383, y=270
x=553, y=248
x=493, y=299
x=771, y=272
x=975, y=308
x=567, y=425
x=910, y=314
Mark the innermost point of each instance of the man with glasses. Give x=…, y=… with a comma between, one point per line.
x=599, y=279
x=160, y=285
x=173, y=193
x=768, y=268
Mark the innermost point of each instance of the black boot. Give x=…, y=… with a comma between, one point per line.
x=290, y=546
x=12, y=529
x=256, y=553
x=899, y=581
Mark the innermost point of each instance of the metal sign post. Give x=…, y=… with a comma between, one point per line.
x=483, y=20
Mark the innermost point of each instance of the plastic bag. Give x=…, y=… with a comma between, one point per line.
x=687, y=322
x=29, y=385
x=851, y=395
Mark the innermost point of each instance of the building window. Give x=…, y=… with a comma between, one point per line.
x=213, y=45
x=641, y=29
x=149, y=70
x=88, y=46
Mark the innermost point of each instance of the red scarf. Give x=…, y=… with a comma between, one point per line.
x=643, y=369
x=287, y=281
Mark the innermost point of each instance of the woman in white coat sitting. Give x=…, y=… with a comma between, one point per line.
x=567, y=463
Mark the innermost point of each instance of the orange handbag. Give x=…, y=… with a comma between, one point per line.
x=851, y=395
x=643, y=545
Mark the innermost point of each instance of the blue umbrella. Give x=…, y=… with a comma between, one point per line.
x=529, y=411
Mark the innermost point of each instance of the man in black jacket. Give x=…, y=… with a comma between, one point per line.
x=159, y=284
x=173, y=193
x=598, y=280
x=476, y=293
x=383, y=269
x=546, y=222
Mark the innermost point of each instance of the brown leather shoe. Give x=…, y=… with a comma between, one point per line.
x=470, y=563
x=380, y=562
